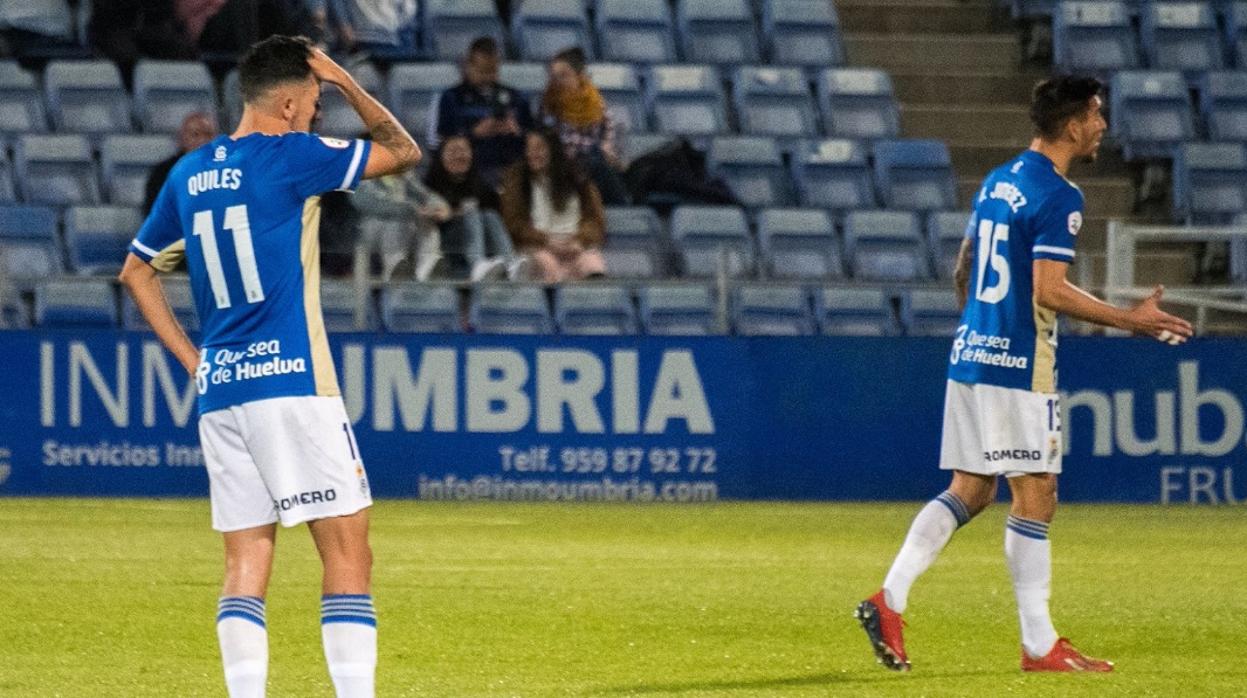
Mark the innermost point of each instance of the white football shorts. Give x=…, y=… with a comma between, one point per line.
x=288, y=459
x=991, y=430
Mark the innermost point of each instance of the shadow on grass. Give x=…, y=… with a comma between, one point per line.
x=828, y=679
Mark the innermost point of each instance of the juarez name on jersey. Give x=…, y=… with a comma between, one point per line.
x=252, y=210
x=1025, y=211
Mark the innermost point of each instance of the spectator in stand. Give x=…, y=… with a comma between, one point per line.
x=494, y=116
x=554, y=212
x=383, y=27
x=574, y=108
x=197, y=129
x=402, y=216
x=127, y=30
x=474, y=239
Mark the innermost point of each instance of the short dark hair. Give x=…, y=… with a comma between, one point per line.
x=574, y=56
x=483, y=46
x=273, y=61
x=1058, y=99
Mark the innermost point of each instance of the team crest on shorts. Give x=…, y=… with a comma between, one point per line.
x=363, y=479
x=1054, y=449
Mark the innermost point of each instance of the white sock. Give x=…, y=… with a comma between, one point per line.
x=244, y=645
x=930, y=532
x=348, y=626
x=1029, y=553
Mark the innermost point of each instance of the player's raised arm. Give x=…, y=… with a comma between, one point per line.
x=394, y=150
x=1055, y=292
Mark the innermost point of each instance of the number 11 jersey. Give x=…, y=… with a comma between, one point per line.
x=1025, y=211
x=245, y=214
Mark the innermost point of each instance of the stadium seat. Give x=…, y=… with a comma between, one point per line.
x=710, y=236
x=96, y=237
x=177, y=290
x=717, y=31
x=337, y=116
x=636, y=31
x=930, y=312
x=86, y=97
x=75, y=304
x=637, y=144
x=621, y=89
x=682, y=310
x=915, y=175
x=855, y=311
x=166, y=91
x=14, y=314
x=21, y=105
x=421, y=308
x=412, y=89
x=529, y=78
x=833, y=174
x=1209, y=182
x=542, y=28
x=451, y=25
x=126, y=161
x=753, y=168
x=1236, y=32
x=635, y=244
x=945, y=231
x=687, y=100
x=1094, y=37
x=57, y=170
x=28, y=244
x=231, y=99
x=1180, y=36
x=802, y=32
x=885, y=246
x=774, y=102
x=1223, y=103
x=8, y=192
x=1238, y=253
x=511, y=309
x=799, y=244
x=858, y=103
x=337, y=303
x=595, y=310
x=1151, y=113
x=768, y=310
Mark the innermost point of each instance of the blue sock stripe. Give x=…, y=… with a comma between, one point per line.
x=244, y=602
x=956, y=506
x=346, y=603
x=240, y=608
x=1037, y=526
x=363, y=610
x=343, y=597
x=362, y=620
x=244, y=615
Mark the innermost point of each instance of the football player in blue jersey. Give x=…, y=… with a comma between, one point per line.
x=244, y=211
x=1001, y=410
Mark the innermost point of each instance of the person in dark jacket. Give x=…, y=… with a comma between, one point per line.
x=197, y=128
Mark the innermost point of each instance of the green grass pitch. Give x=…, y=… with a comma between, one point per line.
x=117, y=597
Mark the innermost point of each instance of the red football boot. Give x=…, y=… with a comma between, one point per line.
x=883, y=627
x=1063, y=657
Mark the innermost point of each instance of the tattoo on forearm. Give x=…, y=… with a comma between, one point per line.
x=389, y=135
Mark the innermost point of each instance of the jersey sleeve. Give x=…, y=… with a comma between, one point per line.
x=1056, y=228
x=317, y=164
x=162, y=228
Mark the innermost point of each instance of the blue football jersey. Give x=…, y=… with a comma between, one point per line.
x=246, y=215
x=1025, y=211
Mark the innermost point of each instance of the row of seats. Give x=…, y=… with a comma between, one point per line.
x=1152, y=111
x=576, y=309
x=61, y=169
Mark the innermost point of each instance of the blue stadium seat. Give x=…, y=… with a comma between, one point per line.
x=707, y=236
x=337, y=302
x=718, y=31
x=177, y=290
x=915, y=175
x=768, y=310
x=595, y=310
x=687, y=100
x=421, y=308
x=931, y=312
x=542, y=28
x=636, y=31
x=774, y=102
x=529, y=78
x=28, y=244
x=166, y=91
x=637, y=144
x=1209, y=182
x=799, y=244
x=57, y=170
x=833, y=174
x=621, y=89
x=1151, y=113
x=683, y=310
x=231, y=99
x=753, y=168
x=885, y=246
x=337, y=116
x=945, y=231
x=126, y=162
x=1093, y=37
x=511, y=309
x=1223, y=103
x=86, y=97
x=858, y=103
x=1181, y=36
x=412, y=89
x=96, y=237
x=635, y=244
x=451, y=25
x=21, y=104
x=1235, y=24
x=802, y=32
x=855, y=311
x=1238, y=253
x=75, y=304
x=8, y=192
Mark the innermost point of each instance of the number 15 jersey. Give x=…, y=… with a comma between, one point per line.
x=246, y=215
x=1025, y=211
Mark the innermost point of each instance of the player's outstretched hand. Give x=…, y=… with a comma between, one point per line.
x=1147, y=318
x=327, y=70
